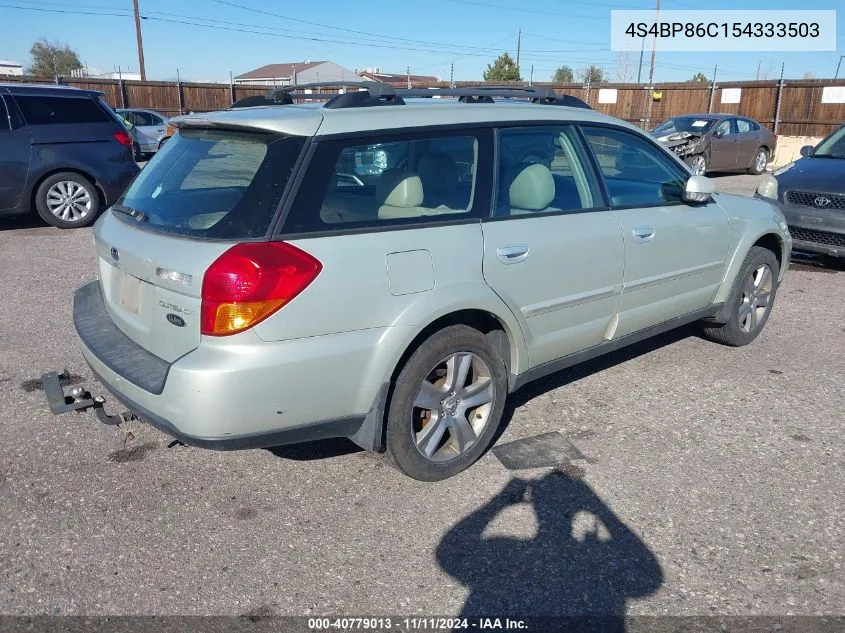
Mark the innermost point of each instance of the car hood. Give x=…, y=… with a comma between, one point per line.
x=814, y=174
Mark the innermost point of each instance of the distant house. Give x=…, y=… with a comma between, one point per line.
x=399, y=80
x=8, y=67
x=297, y=73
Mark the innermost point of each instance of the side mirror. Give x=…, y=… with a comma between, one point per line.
x=718, y=134
x=807, y=150
x=699, y=189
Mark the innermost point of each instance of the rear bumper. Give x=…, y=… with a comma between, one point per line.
x=238, y=393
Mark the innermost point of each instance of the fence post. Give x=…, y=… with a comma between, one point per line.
x=712, y=90
x=777, y=102
x=231, y=88
x=121, y=88
x=179, y=93
x=587, y=90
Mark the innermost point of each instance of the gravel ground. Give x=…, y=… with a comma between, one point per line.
x=713, y=484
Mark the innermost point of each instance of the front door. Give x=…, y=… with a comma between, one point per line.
x=14, y=155
x=553, y=250
x=675, y=253
x=724, y=146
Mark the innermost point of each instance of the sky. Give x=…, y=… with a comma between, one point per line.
x=207, y=39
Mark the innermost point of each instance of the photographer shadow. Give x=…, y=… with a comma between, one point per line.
x=583, y=564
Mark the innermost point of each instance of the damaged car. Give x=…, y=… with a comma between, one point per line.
x=718, y=142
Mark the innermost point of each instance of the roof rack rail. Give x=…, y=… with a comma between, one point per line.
x=376, y=93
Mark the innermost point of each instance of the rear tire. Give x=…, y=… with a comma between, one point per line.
x=447, y=404
x=751, y=300
x=758, y=165
x=67, y=200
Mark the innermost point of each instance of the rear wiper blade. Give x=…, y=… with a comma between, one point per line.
x=133, y=213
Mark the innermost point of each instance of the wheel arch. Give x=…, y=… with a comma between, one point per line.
x=768, y=239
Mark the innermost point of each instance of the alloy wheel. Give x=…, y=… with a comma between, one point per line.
x=756, y=298
x=69, y=201
x=452, y=407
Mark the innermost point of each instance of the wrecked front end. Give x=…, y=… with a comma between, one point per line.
x=684, y=143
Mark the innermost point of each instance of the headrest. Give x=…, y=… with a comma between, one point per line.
x=438, y=173
x=532, y=187
x=399, y=188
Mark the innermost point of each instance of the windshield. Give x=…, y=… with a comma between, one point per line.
x=833, y=146
x=219, y=184
x=693, y=125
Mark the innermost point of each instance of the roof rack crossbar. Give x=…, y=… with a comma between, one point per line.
x=376, y=89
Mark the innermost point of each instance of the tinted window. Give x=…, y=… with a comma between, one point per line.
x=636, y=172
x=754, y=125
x=743, y=126
x=724, y=128
x=214, y=183
x=143, y=118
x=543, y=170
x=393, y=181
x=53, y=110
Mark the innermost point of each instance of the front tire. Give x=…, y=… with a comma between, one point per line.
x=447, y=404
x=761, y=159
x=67, y=200
x=751, y=300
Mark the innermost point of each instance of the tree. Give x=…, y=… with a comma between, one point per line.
x=52, y=58
x=808, y=75
x=564, y=75
x=625, y=66
x=698, y=78
x=592, y=74
x=503, y=69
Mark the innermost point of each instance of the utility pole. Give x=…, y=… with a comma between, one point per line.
x=452, y=76
x=531, y=80
x=654, y=47
x=408, y=71
x=776, y=125
x=640, y=67
x=758, y=68
x=650, y=90
x=518, y=48
x=140, y=41
x=712, y=89
x=841, y=57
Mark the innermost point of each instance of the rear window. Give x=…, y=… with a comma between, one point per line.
x=39, y=110
x=213, y=183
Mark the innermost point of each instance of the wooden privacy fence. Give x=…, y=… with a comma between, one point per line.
x=791, y=107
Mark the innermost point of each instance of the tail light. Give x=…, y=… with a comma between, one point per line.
x=123, y=138
x=249, y=282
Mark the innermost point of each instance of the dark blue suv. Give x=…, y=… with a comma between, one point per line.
x=63, y=153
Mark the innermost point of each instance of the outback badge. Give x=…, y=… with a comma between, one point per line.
x=176, y=320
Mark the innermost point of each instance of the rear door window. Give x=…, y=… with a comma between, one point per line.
x=743, y=126
x=390, y=181
x=43, y=110
x=216, y=184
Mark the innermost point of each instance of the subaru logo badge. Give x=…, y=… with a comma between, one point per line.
x=821, y=201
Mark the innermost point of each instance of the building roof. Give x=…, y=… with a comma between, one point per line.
x=399, y=78
x=8, y=62
x=279, y=71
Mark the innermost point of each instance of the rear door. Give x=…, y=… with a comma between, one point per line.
x=724, y=146
x=206, y=192
x=150, y=129
x=14, y=155
x=675, y=253
x=749, y=142
x=553, y=249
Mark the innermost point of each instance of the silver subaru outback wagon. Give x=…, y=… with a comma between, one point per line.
x=390, y=269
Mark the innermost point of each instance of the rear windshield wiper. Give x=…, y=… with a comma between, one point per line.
x=133, y=213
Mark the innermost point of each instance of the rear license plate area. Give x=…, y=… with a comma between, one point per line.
x=130, y=293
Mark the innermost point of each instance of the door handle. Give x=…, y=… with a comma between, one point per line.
x=643, y=234
x=512, y=254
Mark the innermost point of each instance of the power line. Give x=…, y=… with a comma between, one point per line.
x=488, y=5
